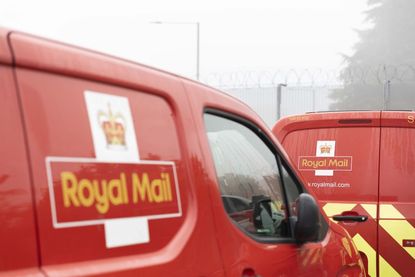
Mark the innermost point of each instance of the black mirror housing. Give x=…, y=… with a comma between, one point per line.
x=307, y=225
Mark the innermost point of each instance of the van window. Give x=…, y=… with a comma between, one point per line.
x=248, y=176
x=293, y=190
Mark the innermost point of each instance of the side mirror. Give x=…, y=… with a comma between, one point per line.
x=308, y=220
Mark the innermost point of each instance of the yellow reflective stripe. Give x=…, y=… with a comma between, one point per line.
x=363, y=246
x=370, y=209
x=389, y=211
x=400, y=230
x=385, y=269
x=337, y=208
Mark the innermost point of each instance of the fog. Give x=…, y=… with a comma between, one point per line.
x=234, y=35
x=332, y=55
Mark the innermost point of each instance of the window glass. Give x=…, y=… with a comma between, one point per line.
x=293, y=190
x=248, y=176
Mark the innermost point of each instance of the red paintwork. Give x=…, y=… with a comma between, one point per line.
x=167, y=114
x=17, y=218
x=396, y=185
x=5, y=54
x=382, y=148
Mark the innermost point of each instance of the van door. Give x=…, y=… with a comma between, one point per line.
x=339, y=161
x=254, y=194
x=397, y=194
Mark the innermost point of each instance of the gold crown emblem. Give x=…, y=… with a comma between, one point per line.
x=325, y=149
x=113, y=127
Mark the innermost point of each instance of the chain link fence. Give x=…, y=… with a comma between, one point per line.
x=280, y=93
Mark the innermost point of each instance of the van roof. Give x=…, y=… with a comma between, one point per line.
x=61, y=58
x=5, y=55
x=57, y=57
x=341, y=119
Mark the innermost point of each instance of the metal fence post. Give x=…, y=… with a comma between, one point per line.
x=279, y=99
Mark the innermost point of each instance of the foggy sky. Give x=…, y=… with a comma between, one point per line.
x=234, y=35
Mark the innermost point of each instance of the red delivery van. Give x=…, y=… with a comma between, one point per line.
x=360, y=166
x=112, y=168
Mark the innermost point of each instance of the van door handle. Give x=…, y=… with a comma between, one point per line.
x=356, y=218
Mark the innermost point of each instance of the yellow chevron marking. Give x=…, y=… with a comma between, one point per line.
x=363, y=246
x=337, y=208
x=389, y=211
x=386, y=269
x=370, y=209
x=400, y=230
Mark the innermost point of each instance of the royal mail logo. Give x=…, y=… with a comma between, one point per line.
x=113, y=126
x=339, y=163
x=325, y=149
x=87, y=192
x=325, y=162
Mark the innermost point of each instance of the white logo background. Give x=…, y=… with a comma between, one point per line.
x=332, y=145
x=122, y=231
x=98, y=102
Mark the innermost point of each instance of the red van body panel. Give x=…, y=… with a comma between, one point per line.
x=396, y=191
x=5, y=54
x=65, y=201
x=18, y=241
x=377, y=182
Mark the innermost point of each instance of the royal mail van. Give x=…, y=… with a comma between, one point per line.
x=361, y=167
x=112, y=168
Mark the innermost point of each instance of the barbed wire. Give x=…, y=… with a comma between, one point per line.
x=379, y=74
x=314, y=77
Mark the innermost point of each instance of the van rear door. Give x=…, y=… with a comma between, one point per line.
x=397, y=194
x=338, y=159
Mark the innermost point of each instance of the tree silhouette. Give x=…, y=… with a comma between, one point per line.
x=383, y=62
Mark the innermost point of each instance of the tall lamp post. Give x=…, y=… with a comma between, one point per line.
x=197, y=24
